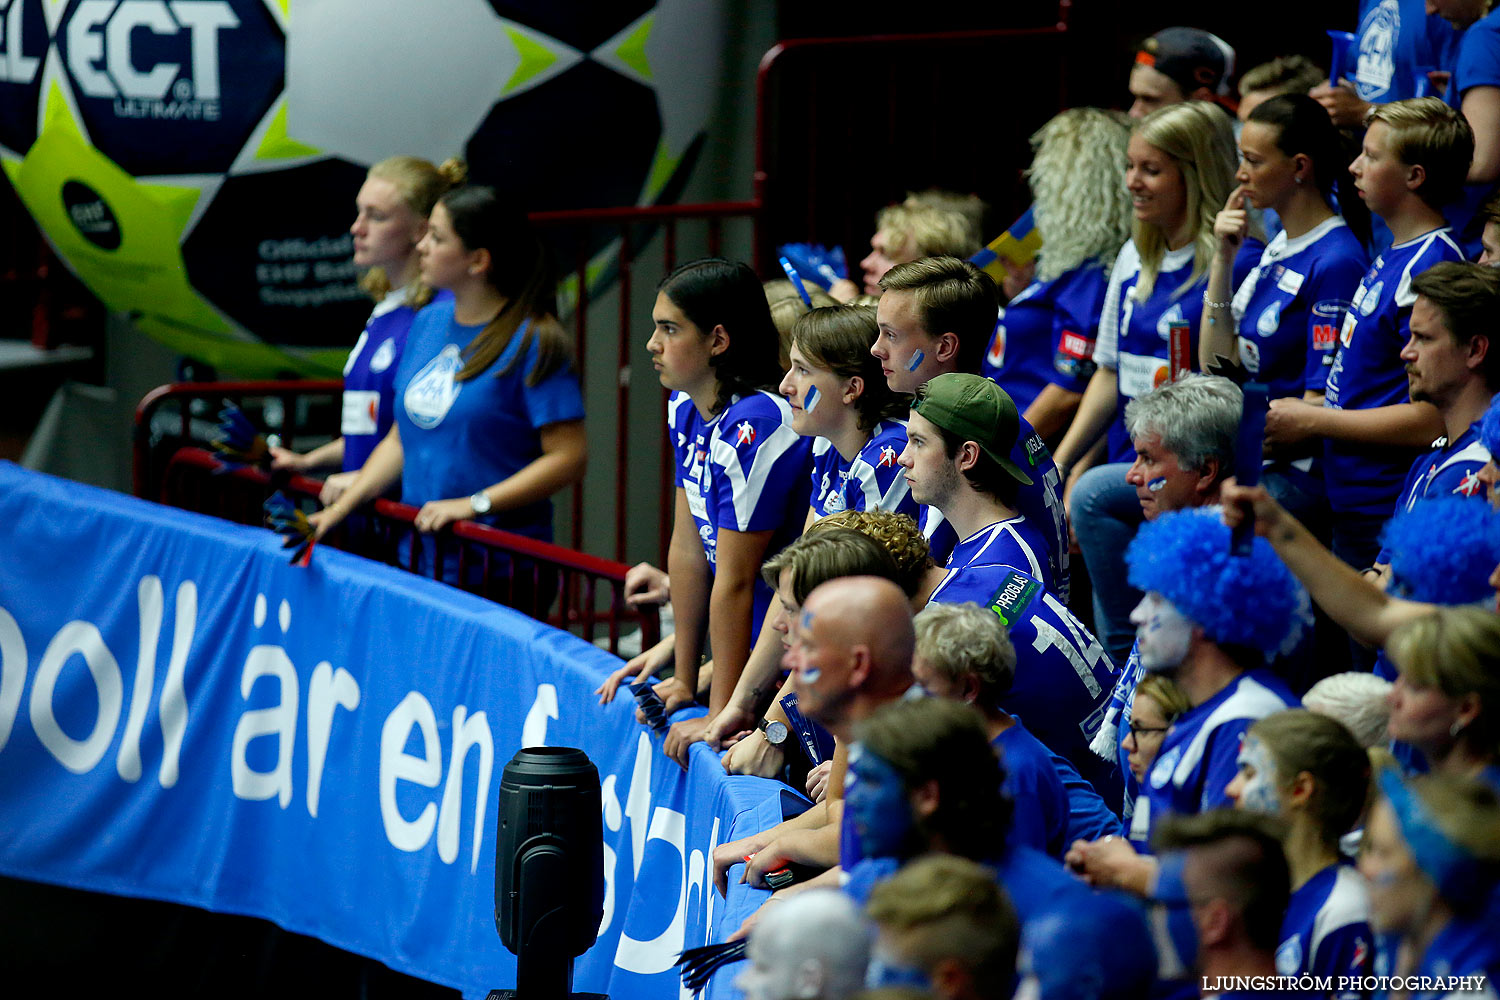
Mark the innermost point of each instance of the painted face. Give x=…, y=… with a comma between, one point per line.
x=1163, y=633
x=1490, y=240
x=385, y=229
x=935, y=684
x=1148, y=727
x=904, y=347
x=1266, y=174
x=1160, y=483
x=680, y=352
x=1157, y=191
x=445, y=261
x=1422, y=716
x=815, y=394
x=930, y=472
x=1436, y=366
x=784, y=609
x=1254, y=786
x=886, y=252
x=1150, y=89
x=1379, y=174
x=888, y=968
x=879, y=806
x=820, y=666
x=1399, y=892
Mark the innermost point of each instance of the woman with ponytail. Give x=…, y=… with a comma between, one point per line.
x=391, y=212
x=489, y=415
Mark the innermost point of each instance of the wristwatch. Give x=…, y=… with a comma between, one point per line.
x=775, y=731
x=480, y=503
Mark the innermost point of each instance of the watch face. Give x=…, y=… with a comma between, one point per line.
x=480, y=502
x=775, y=732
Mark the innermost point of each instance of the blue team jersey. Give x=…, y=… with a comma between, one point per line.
x=1326, y=930
x=744, y=469
x=1396, y=43
x=1040, y=504
x=1134, y=337
x=1478, y=65
x=1466, y=946
x=1199, y=756
x=1039, y=818
x=370, y=377
x=1045, y=335
x=1014, y=543
x=1289, y=309
x=1063, y=676
x=1368, y=372
x=1446, y=470
x=874, y=480
x=459, y=437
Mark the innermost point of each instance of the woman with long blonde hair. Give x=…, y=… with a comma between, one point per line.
x=1042, y=352
x=1180, y=166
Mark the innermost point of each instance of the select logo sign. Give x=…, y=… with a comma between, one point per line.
x=91, y=215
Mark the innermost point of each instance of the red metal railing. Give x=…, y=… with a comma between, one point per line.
x=571, y=590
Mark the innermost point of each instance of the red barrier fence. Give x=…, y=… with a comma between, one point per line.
x=568, y=589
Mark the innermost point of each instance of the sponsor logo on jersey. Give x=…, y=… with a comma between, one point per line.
x=745, y=434
x=887, y=457
x=996, y=355
x=1324, y=336
x=1012, y=597
x=1469, y=485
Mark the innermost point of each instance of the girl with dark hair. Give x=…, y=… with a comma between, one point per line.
x=489, y=416
x=840, y=398
x=1311, y=772
x=742, y=474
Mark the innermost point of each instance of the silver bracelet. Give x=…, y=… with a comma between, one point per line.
x=1209, y=304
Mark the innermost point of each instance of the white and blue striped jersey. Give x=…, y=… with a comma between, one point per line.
x=873, y=480
x=1326, y=931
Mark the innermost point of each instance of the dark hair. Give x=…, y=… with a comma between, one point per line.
x=521, y=270
x=952, y=296
x=1302, y=126
x=1468, y=296
x=935, y=738
x=986, y=475
x=717, y=292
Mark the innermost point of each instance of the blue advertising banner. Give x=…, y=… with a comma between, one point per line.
x=185, y=716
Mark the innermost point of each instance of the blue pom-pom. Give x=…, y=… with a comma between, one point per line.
x=1243, y=600
x=1443, y=550
x=1489, y=427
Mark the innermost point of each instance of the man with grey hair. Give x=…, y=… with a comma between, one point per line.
x=1184, y=434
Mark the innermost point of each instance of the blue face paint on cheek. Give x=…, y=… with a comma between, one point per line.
x=810, y=399
x=917, y=357
x=878, y=807
x=1157, y=485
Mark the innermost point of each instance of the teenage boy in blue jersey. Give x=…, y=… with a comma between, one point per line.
x=1212, y=620
x=1413, y=161
x=935, y=317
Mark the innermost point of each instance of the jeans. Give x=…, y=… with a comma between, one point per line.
x=1105, y=515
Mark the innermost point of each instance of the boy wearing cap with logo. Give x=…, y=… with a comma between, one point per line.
x=958, y=460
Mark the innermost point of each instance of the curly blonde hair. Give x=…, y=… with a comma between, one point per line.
x=898, y=533
x=1077, y=180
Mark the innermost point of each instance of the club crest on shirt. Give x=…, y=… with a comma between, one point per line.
x=432, y=391
x=1370, y=299
x=744, y=434
x=384, y=355
x=1270, y=320
x=1161, y=771
x=1289, y=956
x=1171, y=316
x=887, y=457
x=1469, y=485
